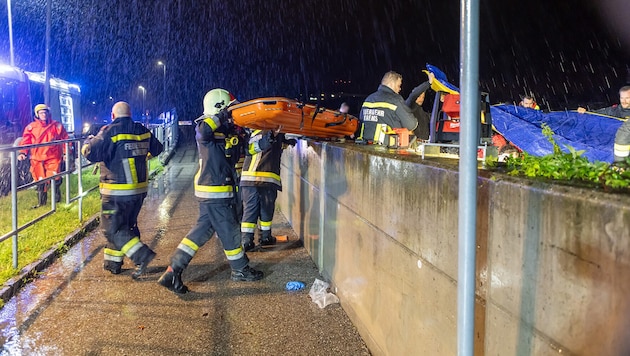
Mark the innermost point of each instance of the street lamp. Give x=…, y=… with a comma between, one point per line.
x=160, y=63
x=144, y=96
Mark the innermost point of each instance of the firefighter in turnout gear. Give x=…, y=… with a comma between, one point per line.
x=260, y=183
x=216, y=189
x=46, y=160
x=385, y=110
x=122, y=148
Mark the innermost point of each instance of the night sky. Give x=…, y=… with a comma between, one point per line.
x=565, y=52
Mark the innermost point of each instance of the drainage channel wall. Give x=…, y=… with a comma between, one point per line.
x=552, y=268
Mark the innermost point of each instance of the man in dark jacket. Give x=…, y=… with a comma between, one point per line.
x=622, y=111
x=216, y=185
x=385, y=110
x=122, y=149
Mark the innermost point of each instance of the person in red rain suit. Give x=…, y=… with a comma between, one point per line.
x=45, y=160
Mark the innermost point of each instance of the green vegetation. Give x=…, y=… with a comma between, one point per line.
x=569, y=167
x=52, y=230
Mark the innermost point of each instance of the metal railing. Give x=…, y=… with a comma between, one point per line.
x=165, y=133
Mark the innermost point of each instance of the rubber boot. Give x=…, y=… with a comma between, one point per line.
x=247, y=239
x=266, y=238
x=42, y=197
x=58, y=191
x=172, y=280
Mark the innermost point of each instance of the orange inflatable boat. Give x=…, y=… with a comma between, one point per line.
x=293, y=117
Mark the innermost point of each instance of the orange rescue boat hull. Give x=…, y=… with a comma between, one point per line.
x=293, y=117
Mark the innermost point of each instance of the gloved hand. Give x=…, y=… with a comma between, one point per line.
x=21, y=156
x=270, y=137
x=290, y=141
x=225, y=117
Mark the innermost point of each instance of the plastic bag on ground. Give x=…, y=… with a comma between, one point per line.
x=320, y=295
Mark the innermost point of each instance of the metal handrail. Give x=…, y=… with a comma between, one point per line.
x=166, y=133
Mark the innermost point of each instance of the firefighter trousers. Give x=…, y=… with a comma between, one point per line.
x=119, y=221
x=259, y=202
x=219, y=217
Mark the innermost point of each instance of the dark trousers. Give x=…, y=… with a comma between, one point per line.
x=259, y=202
x=119, y=221
x=219, y=217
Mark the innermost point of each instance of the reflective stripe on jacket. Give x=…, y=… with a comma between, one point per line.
x=122, y=148
x=219, y=153
x=382, y=111
x=262, y=163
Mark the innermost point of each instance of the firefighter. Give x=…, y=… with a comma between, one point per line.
x=122, y=148
x=216, y=189
x=260, y=183
x=621, y=147
x=385, y=110
x=45, y=160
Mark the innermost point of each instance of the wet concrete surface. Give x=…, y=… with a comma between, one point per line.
x=74, y=307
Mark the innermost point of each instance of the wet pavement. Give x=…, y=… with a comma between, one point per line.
x=74, y=307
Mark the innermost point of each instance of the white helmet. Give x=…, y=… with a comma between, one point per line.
x=215, y=100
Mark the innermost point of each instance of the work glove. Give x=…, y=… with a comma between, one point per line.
x=225, y=117
x=290, y=141
x=21, y=156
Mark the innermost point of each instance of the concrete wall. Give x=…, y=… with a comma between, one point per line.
x=552, y=261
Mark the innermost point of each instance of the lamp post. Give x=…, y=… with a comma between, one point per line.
x=160, y=63
x=144, y=96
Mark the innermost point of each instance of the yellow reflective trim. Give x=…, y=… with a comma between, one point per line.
x=214, y=188
x=211, y=122
x=248, y=224
x=133, y=170
x=109, y=251
x=129, y=245
x=380, y=104
x=123, y=186
x=186, y=242
x=265, y=223
x=260, y=174
x=621, y=147
x=131, y=137
x=230, y=253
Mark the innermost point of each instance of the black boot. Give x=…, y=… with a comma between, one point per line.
x=42, y=196
x=172, y=280
x=267, y=239
x=142, y=266
x=112, y=267
x=58, y=194
x=247, y=274
x=247, y=239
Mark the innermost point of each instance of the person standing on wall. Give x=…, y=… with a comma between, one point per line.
x=45, y=160
x=122, y=148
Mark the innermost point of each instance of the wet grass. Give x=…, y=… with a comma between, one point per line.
x=52, y=230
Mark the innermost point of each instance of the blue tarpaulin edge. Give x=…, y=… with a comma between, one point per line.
x=593, y=133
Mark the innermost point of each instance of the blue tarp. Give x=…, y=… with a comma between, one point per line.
x=593, y=133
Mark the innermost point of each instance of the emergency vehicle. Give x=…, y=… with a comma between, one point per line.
x=20, y=91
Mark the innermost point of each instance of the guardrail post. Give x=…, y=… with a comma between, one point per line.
x=14, y=207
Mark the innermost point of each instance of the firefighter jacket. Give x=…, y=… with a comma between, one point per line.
x=122, y=148
x=219, y=152
x=622, y=142
x=383, y=111
x=40, y=132
x=622, y=138
x=615, y=111
x=262, y=163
